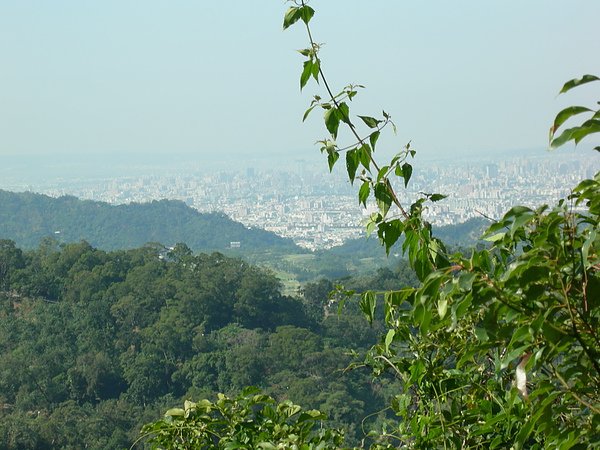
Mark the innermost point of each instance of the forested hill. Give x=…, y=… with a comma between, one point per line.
x=26, y=218
x=93, y=344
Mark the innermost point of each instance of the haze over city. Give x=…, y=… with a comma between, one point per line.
x=218, y=82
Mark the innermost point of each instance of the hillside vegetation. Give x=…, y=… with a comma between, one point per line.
x=26, y=218
x=93, y=344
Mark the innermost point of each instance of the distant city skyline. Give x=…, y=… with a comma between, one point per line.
x=320, y=210
x=220, y=80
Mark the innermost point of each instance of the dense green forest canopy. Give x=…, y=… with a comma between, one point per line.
x=93, y=344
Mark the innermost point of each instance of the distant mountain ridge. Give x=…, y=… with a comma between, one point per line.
x=27, y=217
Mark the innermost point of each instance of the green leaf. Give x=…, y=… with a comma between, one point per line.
x=291, y=17
x=382, y=173
x=482, y=334
x=576, y=134
x=513, y=354
x=344, y=113
x=585, y=248
x=175, y=412
x=390, y=232
x=437, y=197
x=363, y=193
x=315, y=69
x=367, y=305
x=495, y=237
x=307, y=112
x=383, y=197
x=373, y=137
x=306, y=13
x=566, y=114
x=577, y=82
x=371, y=122
x=306, y=73
x=588, y=127
x=233, y=445
x=332, y=157
x=371, y=225
x=266, y=446
x=442, y=307
x=332, y=121
x=407, y=171
x=364, y=156
x=352, y=164
x=389, y=338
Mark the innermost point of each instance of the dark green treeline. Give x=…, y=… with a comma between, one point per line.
x=93, y=344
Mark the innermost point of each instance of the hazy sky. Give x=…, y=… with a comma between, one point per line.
x=214, y=78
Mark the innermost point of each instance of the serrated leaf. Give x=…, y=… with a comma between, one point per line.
x=315, y=69
x=367, y=305
x=344, y=113
x=351, y=164
x=306, y=13
x=371, y=122
x=364, y=156
x=577, y=82
x=332, y=121
x=306, y=73
x=363, y=193
x=390, y=232
x=383, y=198
x=332, y=157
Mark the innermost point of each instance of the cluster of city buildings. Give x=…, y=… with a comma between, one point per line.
x=321, y=210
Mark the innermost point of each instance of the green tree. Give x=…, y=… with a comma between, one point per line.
x=11, y=260
x=495, y=348
x=250, y=420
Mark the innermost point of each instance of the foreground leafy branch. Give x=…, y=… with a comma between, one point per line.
x=248, y=421
x=497, y=348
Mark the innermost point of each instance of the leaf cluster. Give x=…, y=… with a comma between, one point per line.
x=497, y=348
x=250, y=420
x=577, y=133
